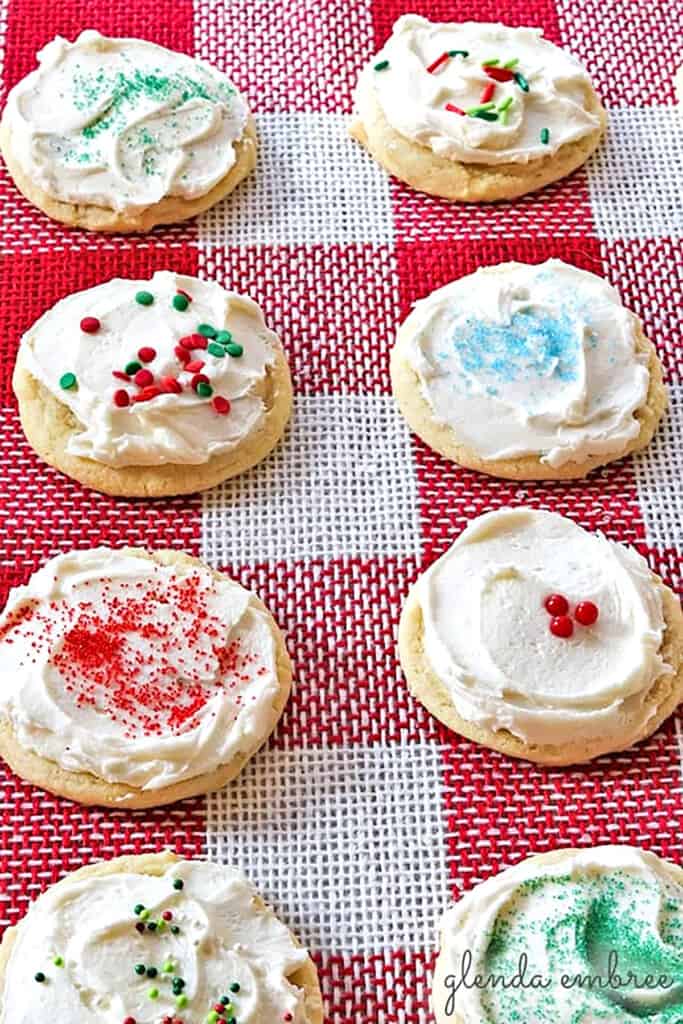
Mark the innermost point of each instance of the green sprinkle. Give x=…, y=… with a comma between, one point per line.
x=507, y=102
x=521, y=81
x=235, y=987
x=144, y=914
x=152, y=972
x=152, y=926
x=511, y=63
x=233, y=349
x=168, y=967
x=215, y=350
x=40, y=977
x=458, y=53
x=473, y=111
x=153, y=993
x=130, y=369
x=206, y=331
x=140, y=969
x=490, y=63
x=503, y=116
x=382, y=65
x=139, y=906
x=144, y=298
x=204, y=390
x=179, y=984
x=486, y=115
x=212, y=1017
x=180, y=303
x=178, y=883
x=175, y=929
x=58, y=961
x=223, y=337
x=161, y=925
x=67, y=381
x=181, y=1001
x=228, y=1006
x=545, y=136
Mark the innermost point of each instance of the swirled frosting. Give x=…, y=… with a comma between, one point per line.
x=219, y=936
x=613, y=914
x=523, y=359
x=137, y=672
x=123, y=123
x=487, y=635
x=544, y=90
x=179, y=424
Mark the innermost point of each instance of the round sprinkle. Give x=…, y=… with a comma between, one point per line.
x=179, y=983
x=152, y=972
x=58, y=961
x=212, y=1017
x=207, y=331
x=195, y=366
x=161, y=925
x=40, y=977
x=233, y=349
x=175, y=930
x=152, y=927
x=130, y=1020
x=153, y=993
x=556, y=604
x=381, y=65
x=223, y=337
x=67, y=381
x=168, y=914
x=586, y=613
x=221, y=405
x=288, y=1016
x=215, y=350
x=178, y=884
x=204, y=390
x=144, y=298
x=182, y=354
x=143, y=378
x=146, y=355
x=172, y=386
x=121, y=398
x=139, y=927
x=120, y=375
x=168, y=967
x=90, y=324
x=132, y=367
x=139, y=907
x=199, y=378
x=562, y=626
x=181, y=1001
x=219, y=1008
x=190, y=341
x=145, y=915
x=235, y=987
x=140, y=969
x=180, y=302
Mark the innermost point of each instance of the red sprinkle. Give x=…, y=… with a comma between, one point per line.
x=562, y=626
x=586, y=613
x=219, y=1008
x=153, y=391
x=195, y=366
x=182, y=354
x=129, y=1020
x=499, y=74
x=121, y=398
x=167, y=915
x=221, y=405
x=143, y=378
x=120, y=375
x=488, y=92
x=288, y=1016
x=556, y=604
x=199, y=378
x=191, y=341
x=90, y=324
x=455, y=110
x=146, y=355
x=171, y=385
x=139, y=927
x=437, y=63
x=184, y=294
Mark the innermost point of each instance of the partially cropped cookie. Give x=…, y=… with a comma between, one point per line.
x=474, y=111
x=567, y=937
x=530, y=372
x=151, y=938
x=151, y=388
x=136, y=679
x=536, y=638
x=121, y=134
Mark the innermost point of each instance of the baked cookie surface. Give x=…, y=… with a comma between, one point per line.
x=122, y=134
x=152, y=388
x=136, y=679
x=528, y=372
x=475, y=112
x=144, y=939
x=613, y=913
x=540, y=640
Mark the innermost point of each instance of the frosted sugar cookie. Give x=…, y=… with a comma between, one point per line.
x=150, y=388
x=530, y=372
x=152, y=939
x=543, y=641
x=121, y=134
x=536, y=934
x=135, y=678
x=475, y=112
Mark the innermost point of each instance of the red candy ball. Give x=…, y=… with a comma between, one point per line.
x=586, y=613
x=556, y=604
x=121, y=398
x=167, y=915
x=129, y=1020
x=90, y=324
x=146, y=355
x=221, y=405
x=562, y=626
x=143, y=378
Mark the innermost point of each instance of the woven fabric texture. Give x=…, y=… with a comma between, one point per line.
x=363, y=817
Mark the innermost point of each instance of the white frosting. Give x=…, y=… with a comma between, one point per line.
x=123, y=123
x=138, y=673
x=177, y=428
x=487, y=635
x=225, y=936
x=522, y=359
x=566, y=917
x=414, y=100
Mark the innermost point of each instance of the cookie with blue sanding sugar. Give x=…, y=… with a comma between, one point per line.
x=528, y=372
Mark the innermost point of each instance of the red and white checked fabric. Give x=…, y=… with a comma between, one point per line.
x=363, y=817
